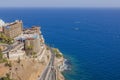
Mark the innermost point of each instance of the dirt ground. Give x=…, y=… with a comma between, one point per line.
x=26, y=70
x=3, y=70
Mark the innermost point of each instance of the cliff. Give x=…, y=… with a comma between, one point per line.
x=59, y=60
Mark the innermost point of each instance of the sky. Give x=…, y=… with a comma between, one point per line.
x=59, y=3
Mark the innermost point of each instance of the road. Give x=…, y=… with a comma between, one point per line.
x=49, y=73
x=10, y=47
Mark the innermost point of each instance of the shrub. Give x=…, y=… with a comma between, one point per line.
x=8, y=64
x=57, y=53
x=6, y=78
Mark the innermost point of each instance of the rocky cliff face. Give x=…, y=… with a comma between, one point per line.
x=59, y=61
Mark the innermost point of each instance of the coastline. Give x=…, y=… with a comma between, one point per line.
x=27, y=57
x=60, y=63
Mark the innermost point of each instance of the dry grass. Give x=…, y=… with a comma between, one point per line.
x=27, y=70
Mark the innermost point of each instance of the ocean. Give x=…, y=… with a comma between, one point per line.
x=89, y=38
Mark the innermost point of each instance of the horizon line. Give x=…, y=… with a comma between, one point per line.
x=58, y=7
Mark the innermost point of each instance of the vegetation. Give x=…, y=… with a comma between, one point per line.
x=48, y=56
x=6, y=78
x=8, y=64
x=34, y=53
x=5, y=39
x=29, y=51
x=48, y=48
x=29, y=47
x=57, y=53
x=1, y=55
x=19, y=60
x=2, y=60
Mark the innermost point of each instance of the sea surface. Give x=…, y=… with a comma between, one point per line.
x=88, y=38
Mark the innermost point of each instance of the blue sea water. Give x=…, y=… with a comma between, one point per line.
x=89, y=38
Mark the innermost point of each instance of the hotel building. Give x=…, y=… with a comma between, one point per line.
x=14, y=29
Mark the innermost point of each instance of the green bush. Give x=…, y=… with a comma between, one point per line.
x=5, y=60
x=8, y=64
x=29, y=47
x=5, y=39
x=57, y=53
x=1, y=55
x=2, y=60
x=6, y=78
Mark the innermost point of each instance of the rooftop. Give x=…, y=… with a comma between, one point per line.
x=2, y=23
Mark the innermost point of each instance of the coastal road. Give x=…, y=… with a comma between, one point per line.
x=49, y=73
x=52, y=75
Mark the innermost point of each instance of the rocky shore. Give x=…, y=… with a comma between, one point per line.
x=60, y=64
